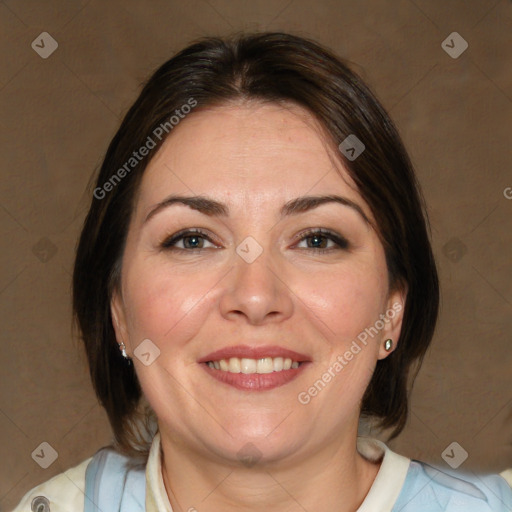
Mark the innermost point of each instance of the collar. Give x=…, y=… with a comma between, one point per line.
x=389, y=480
x=156, y=495
x=382, y=495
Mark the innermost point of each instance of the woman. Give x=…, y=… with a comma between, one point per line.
x=253, y=283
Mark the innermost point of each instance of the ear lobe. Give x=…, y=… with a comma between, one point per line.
x=393, y=325
x=118, y=317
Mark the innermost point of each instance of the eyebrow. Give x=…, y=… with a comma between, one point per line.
x=295, y=206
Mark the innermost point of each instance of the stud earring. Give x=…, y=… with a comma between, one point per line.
x=388, y=344
x=123, y=350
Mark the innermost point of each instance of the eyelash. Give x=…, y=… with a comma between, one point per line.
x=341, y=242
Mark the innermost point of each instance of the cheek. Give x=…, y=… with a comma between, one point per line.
x=347, y=301
x=163, y=306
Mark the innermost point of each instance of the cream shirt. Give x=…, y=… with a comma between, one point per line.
x=66, y=490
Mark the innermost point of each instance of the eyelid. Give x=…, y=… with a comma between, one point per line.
x=339, y=240
x=183, y=233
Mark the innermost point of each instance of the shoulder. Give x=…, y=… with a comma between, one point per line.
x=108, y=477
x=64, y=491
x=430, y=489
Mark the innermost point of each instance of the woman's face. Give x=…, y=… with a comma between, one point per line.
x=254, y=278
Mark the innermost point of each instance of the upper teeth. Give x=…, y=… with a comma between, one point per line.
x=263, y=365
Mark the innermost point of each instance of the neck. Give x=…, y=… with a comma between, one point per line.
x=334, y=477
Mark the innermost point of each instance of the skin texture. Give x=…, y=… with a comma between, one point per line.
x=254, y=157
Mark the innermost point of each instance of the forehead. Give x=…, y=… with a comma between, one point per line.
x=260, y=151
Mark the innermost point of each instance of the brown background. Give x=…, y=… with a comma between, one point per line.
x=58, y=115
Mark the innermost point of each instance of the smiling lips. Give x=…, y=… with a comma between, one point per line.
x=255, y=369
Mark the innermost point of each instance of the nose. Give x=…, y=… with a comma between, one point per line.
x=256, y=289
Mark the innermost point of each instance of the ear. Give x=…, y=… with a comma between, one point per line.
x=117, y=311
x=392, y=318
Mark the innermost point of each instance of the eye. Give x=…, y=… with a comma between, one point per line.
x=320, y=238
x=192, y=239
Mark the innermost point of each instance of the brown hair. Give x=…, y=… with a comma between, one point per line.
x=280, y=68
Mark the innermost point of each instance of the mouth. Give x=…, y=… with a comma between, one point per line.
x=249, y=366
x=254, y=369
